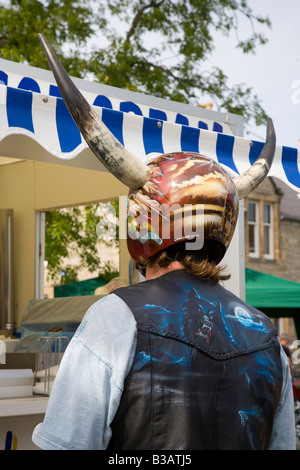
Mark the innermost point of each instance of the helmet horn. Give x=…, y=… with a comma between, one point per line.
x=121, y=163
x=250, y=179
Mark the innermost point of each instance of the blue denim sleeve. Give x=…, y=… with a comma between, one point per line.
x=284, y=434
x=90, y=380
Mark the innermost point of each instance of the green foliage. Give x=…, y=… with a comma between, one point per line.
x=161, y=47
x=152, y=46
x=63, y=21
x=72, y=232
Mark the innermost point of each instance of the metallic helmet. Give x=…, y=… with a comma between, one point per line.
x=181, y=196
x=188, y=197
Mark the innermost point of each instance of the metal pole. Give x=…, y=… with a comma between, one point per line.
x=6, y=269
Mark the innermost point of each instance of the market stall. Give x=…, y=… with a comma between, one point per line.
x=45, y=164
x=274, y=296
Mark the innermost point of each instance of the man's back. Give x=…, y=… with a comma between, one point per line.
x=207, y=370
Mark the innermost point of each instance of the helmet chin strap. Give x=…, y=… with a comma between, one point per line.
x=172, y=258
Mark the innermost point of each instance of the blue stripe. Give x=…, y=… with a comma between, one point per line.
x=180, y=119
x=130, y=107
x=54, y=91
x=152, y=136
x=157, y=114
x=67, y=131
x=3, y=78
x=224, y=150
x=202, y=125
x=255, y=151
x=103, y=102
x=19, y=109
x=114, y=121
x=189, y=139
x=217, y=127
x=290, y=165
x=29, y=84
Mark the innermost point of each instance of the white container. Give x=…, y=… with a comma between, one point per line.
x=16, y=383
x=15, y=377
x=20, y=391
x=10, y=344
x=50, y=351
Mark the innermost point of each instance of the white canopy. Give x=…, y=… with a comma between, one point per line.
x=35, y=125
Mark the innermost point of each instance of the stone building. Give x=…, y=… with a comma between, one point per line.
x=272, y=233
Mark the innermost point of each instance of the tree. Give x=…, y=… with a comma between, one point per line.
x=153, y=46
x=65, y=21
x=78, y=231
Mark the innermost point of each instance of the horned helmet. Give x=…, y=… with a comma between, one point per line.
x=180, y=196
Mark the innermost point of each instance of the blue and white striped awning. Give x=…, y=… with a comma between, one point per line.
x=45, y=120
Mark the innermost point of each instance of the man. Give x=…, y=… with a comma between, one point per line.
x=175, y=362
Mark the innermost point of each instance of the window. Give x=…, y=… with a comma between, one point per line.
x=260, y=230
x=253, y=229
x=268, y=231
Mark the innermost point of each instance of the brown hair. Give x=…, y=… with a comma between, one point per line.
x=193, y=263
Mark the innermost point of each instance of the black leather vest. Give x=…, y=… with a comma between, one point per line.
x=207, y=370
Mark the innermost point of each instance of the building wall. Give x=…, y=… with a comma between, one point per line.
x=286, y=238
x=286, y=260
x=285, y=263
x=266, y=192
x=288, y=265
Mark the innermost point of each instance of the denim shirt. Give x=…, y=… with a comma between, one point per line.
x=89, y=384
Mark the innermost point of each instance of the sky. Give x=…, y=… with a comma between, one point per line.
x=273, y=72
